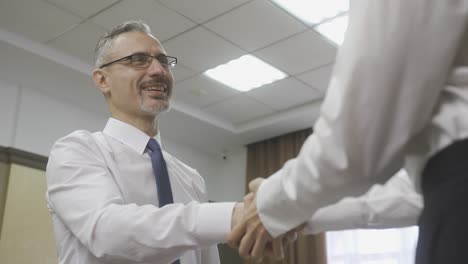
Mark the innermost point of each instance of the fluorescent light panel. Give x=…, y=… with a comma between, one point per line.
x=329, y=17
x=245, y=73
x=313, y=12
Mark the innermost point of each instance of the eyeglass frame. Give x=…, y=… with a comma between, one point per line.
x=129, y=57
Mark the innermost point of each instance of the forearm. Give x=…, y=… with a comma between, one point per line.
x=385, y=84
x=144, y=233
x=395, y=204
x=352, y=213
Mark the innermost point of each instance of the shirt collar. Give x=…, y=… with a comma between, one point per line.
x=129, y=135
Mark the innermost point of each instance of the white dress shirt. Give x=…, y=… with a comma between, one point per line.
x=394, y=204
x=102, y=196
x=398, y=94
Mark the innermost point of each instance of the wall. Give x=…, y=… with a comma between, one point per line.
x=27, y=230
x=229, y=183
x=42, y=120
x=32, y=121
x=224, y=178
x=4, y=172
x=8, y=111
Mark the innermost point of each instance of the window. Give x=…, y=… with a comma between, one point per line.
x=383, y=246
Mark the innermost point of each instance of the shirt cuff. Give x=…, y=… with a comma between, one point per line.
x=277, y=212
x=214, y=221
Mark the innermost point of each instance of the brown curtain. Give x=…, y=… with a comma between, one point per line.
x=263, y=159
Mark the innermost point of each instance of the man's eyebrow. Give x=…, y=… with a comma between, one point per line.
x=139, y=53
x=147, y=53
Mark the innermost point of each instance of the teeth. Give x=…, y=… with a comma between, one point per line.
x=156, y=88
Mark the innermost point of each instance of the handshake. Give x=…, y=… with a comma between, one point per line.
x=248, y=234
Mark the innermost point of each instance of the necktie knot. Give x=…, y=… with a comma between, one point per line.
x=153, y=145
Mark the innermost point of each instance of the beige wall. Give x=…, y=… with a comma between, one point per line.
x=4, y=172
x=27, y=235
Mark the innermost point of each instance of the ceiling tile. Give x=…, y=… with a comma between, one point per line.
x=318, y=78
x=83, y=8
x=201, y=10
x=299, y=53
x=284, y=94
x=37, y=20
x=201, y=91
x=164, y=22
x=255, y=25
x=239, y=109
x=80, y=41
x=200, y=49
x=182, y=72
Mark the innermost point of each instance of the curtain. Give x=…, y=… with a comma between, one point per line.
x=263, y=159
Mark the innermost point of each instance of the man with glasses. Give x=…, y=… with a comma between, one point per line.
x=114, y=196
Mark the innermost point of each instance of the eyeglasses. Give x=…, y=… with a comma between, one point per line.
x=143, y=60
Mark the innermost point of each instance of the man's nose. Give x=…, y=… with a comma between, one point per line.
x=156, y=68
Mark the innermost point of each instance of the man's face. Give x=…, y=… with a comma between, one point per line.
x=136, y=91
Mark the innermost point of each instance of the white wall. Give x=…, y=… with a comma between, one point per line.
x=33, y=121
x=43, y=119
x=230, y=182
x=225, y=179
x=9, y=95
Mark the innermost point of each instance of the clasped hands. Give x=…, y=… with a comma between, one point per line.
x=249, y=235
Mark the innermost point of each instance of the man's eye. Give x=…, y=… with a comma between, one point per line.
x=163, y=60
x=139, y=59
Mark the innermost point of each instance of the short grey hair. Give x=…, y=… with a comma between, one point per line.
x=105, y=41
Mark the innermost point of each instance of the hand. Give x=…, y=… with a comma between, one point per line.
x=255, y=184
x=281, y=242
x=242, y=236
x=237, y=214
x=251, y=237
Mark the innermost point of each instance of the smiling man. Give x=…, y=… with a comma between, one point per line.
x=115, y=196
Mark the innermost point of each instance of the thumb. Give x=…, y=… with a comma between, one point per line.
x=255, y=184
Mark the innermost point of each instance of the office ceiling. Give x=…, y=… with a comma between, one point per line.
x=201, y=34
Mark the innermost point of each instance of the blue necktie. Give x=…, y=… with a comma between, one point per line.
x=163, y=184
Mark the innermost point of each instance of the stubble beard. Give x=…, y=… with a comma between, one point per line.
x=156, y=109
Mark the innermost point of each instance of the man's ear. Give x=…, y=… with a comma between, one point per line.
x=101, y=80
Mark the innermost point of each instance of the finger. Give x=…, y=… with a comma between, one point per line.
x=278, y=252
x=259, y=246
x=255, y=184
x=291, y=236
x=246, y=244
x=236, y=235
x=268, y=252
x=249, y=198
x=287, y=240
x=300, y=228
